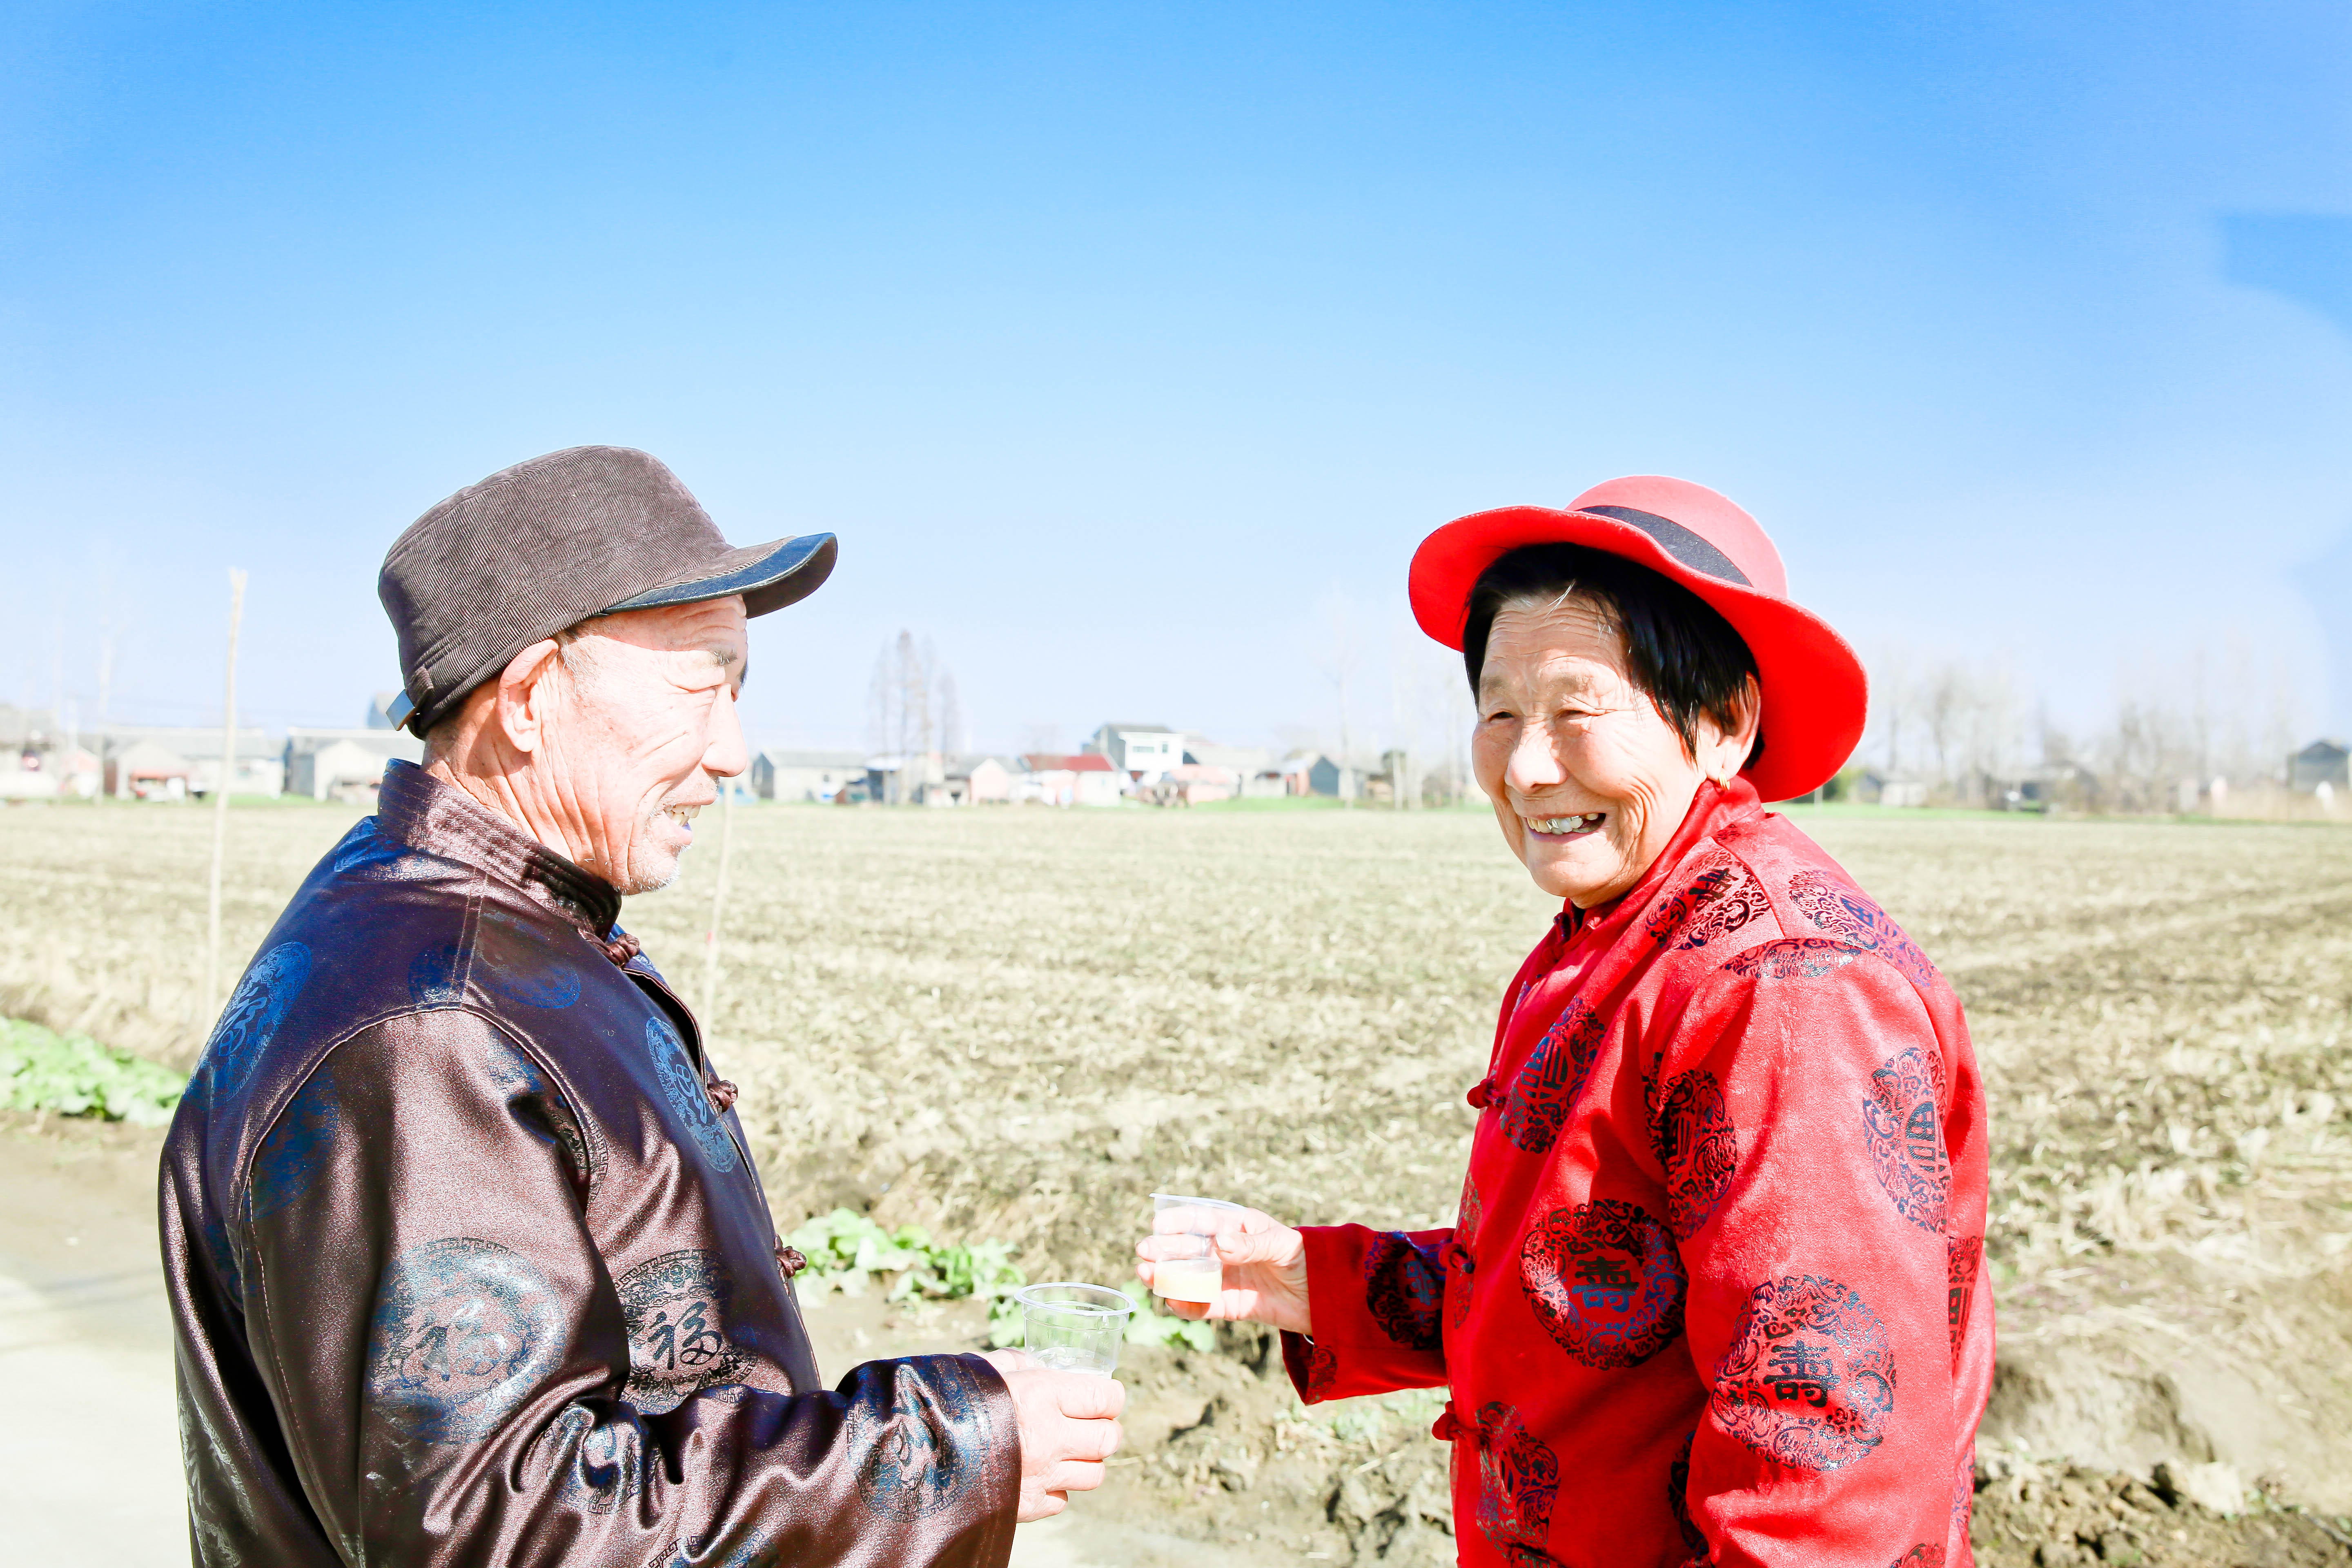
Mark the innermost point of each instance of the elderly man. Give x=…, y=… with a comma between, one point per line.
x=469, y=1260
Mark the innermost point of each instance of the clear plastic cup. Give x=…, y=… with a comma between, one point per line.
x=1188, y=1228
x=1074, y=1328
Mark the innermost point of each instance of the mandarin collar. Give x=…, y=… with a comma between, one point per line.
x=1715, y=807
x=419, y=809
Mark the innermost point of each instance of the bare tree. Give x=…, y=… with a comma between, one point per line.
x=912, y=708
x=879, y=721
x=952, y=739
x=1892, y=706
x=1341, y=657
x=105, y=693
x=2278, y=728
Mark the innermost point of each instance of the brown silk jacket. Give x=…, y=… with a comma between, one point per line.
x=469, y=1265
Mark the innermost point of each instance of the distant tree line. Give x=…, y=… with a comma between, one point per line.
x=911, y=708
x=1971, y=735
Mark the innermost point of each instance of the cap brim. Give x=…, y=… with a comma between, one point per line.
x=768, y=576
x=1815, y=694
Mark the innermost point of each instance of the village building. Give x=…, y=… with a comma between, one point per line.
x=1253, y=769
x=977, y=781
x=786, y=773
x=1875, y=788
x=1242, y=762
x=1142, y=752
x=2321, y=762
x=146, y=770
x=1086, y=779
x=1312, y=772
x=77, y=770
x=918, y=778
x=141, y=761
x=1192, y=783
x=344, y=765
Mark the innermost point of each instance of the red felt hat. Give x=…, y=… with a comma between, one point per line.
x=1815, y=695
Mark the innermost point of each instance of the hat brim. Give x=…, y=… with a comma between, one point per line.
x=1815, y=694
x=769, y=577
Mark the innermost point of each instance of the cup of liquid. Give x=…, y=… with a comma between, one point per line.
x=1187, y=1229
x=1074, y=1328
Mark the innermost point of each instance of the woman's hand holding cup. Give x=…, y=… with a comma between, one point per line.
x=1264, y=1263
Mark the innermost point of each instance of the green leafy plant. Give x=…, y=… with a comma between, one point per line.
x=1150, y=1326
x=849, y=1253
x=41, y=1069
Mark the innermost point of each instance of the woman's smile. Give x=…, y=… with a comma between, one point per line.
x=1566, y=827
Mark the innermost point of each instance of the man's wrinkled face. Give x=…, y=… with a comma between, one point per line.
x=646, y=725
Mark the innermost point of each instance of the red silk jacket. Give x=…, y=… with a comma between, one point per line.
x=1714, y=1293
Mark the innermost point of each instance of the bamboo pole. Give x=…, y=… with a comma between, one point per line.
x=105, y=695
x=220, y=792
x=718, y=907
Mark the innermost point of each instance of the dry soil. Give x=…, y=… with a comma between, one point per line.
x=1019, y=1023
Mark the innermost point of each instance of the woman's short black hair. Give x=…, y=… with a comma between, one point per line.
x=1683, y=655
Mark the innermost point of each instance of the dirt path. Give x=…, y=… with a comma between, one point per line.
x=89, y=1461
x=1218, y=1475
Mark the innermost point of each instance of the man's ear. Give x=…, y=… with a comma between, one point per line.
x=526, y=690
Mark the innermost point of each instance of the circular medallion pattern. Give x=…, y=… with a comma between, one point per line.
x=255, y=1009
x=1518, y=1482
x=1809, y=1379
x=1605, y=1281
x=1546, y=1087
x=1403, y=1286
x=676, y=1306
x=1904, y=1132
x=464, y=1328
x=682, y=1087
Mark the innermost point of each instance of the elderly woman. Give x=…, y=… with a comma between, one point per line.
x=1713, y=1292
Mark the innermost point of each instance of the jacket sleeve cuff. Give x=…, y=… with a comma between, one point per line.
x=1376, y=1298
x=939, y=1454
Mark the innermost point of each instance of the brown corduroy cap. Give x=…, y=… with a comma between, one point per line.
x=553, y=542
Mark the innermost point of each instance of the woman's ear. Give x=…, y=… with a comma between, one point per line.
x=1722, y=752
x=525, y=691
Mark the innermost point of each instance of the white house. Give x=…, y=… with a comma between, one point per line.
x=344, y=765
x=782, y=774
x=192, y=753
x=917, y=778
x=1194, y=784
x=1142, y=752
x=1268, y=783
x=1242, y=762
x=1885, y=791
x=1312, y=772
x=1086, y=779
x=977, y=781
x=145, y=770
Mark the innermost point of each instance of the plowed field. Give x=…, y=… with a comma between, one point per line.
x=1018, y=1023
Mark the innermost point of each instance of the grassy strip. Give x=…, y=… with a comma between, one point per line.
x=41, y=1069
x=849, y=1253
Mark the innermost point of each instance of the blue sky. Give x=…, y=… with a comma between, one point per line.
x=1131, y=348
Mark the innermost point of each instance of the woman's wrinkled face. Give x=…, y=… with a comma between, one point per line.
x=1588, y=779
